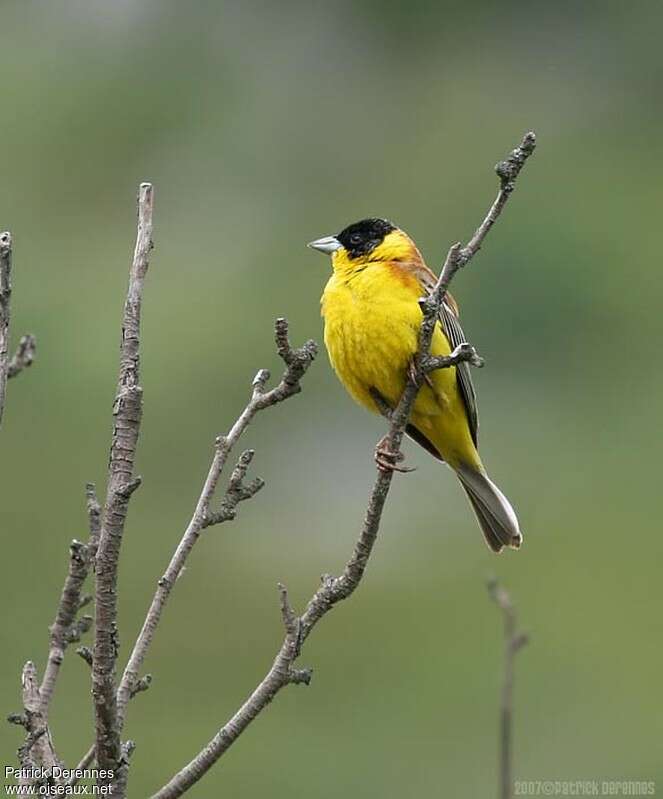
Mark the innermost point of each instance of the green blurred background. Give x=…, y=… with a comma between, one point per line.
x=263, y=126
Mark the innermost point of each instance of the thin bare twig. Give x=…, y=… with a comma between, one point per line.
x=507, y=171
x=127, y=412
x=25, y=353
x=514, y=640
x=37, y=752
x=5, y=307
x=94, y=519
x=464, y=352
x=65, y=629
x=335, y=589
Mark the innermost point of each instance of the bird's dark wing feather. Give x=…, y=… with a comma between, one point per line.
x=420, y=438
x=454, y=332
x=411, y=430
x=455, y=335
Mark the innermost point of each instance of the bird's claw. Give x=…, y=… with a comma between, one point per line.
x=414, y=377
x=387, y=460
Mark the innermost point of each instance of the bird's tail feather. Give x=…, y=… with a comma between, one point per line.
x=494, y=513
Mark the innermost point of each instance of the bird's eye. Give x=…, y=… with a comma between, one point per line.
x=355, y=238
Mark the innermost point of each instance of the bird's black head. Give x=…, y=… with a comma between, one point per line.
x=364, y=236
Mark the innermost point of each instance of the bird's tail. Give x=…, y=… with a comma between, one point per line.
x=494, y=513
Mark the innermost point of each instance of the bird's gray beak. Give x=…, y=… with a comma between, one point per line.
x=327, y=244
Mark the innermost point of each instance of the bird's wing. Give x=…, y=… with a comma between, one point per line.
x=454, y=332
x=411, y=430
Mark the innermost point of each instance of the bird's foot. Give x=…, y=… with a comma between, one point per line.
x=387, y=460
x=414, y=377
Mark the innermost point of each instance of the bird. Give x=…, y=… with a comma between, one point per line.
x=372, y=318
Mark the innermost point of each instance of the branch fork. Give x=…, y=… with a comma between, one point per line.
x=463, y=353
x=237, y=490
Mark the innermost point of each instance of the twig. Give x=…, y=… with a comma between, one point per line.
x=464, y=352
x=5, y=297
x=65, y=629
x=507, y=171
x=127, y=413
x=85, y=653
x=24, y=355
x=37, y=752
x=514, y=640
x=335, y=589
x=94, y=519
x=296, y=361
x=25, y=352
x=236, y=492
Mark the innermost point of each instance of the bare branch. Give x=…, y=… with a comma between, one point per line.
x=463, y=353
x=507, y=171
x=335, y=589
x=290, y=621
x=65, y=629
x=297, y=361
x=236, y=492
x=24, y=355
x=142, y=685
x=86, y=653
x=94, y=519
x=514, y=640
x=5, y=297
x=37, y=751
x=127, y=412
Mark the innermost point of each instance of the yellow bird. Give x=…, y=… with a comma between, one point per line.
x=372, y=320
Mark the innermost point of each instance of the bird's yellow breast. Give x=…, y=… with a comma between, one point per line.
x=371, y=329
x=372, y=320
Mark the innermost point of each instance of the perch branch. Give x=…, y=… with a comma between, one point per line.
x=463, y=353
x=127, y=411
x=514, y=640
x=507, y=171
x=335, y=589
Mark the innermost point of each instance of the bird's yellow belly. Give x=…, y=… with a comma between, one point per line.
x=371, y=338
